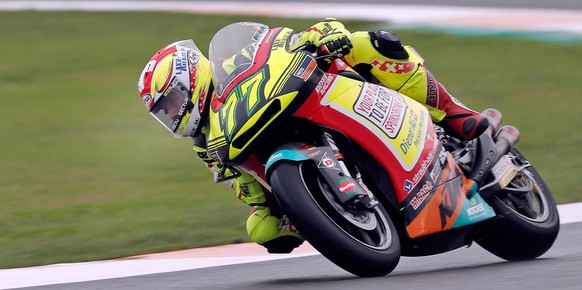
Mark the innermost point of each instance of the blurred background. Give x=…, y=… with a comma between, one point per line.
x=87, y=174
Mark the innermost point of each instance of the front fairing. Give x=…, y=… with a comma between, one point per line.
x=254, y=87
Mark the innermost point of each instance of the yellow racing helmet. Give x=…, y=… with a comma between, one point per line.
x=174, y=86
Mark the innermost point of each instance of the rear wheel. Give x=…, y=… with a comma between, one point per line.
x=528, y=221
x=362, y=241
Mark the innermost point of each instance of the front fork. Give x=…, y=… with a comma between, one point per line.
x=351, y=190
x=346, y=185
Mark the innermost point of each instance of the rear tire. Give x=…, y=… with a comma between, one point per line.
x=362, y=241
x=528, y=221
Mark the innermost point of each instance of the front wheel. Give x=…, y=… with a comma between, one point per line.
x=362, y=241
x=528, y=221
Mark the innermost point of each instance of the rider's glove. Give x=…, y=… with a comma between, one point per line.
x=334, y=38
x=329, y=36
x=340, y=47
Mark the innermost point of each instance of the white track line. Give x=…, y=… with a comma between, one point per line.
x=174, y=261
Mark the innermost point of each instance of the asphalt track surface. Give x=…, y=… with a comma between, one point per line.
x=466, y=268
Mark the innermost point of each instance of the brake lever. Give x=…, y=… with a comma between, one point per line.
x=329, y=57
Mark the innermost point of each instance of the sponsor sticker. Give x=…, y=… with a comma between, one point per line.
x=421, y=195
x=181, y=62
x=193, y=57
x=324, y=84
x=431, y=91
x=347, y=186
x=259, y=32
x=305, y=69
x=474, y=210
x=313, y=154
x=147, y=100
x=275, y=157
x=394, y=67
x=214, y=155
x=383, y=107
x=413, y=138
x=326, y=162
x=424, y=166
x=435, y=172
x=408, y=185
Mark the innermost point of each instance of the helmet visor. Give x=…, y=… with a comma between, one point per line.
x=171, y=108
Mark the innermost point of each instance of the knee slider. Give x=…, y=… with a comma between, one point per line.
x=388, y=44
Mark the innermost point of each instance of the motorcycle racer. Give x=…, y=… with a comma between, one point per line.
x=176, y=88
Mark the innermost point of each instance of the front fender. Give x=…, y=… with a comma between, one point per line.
x=347, y=189
x=295, y=151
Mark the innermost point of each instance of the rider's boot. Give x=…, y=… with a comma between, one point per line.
x=278, y=235
x=459, y=120
x=273, y=231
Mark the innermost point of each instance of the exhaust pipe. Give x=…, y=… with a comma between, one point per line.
x=507, y=137
x=505, y=140
x=493, y=145
x=494, y=117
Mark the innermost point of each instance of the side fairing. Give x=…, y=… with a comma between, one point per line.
x=397, y=131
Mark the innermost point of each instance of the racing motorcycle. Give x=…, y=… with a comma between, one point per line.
x=361, y=170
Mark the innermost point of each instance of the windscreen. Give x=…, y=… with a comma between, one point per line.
x=232, y=51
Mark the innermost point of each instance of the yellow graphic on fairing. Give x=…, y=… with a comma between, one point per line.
x=399, y=122
x=249, y=92
x=282, y=101
x=245, y=103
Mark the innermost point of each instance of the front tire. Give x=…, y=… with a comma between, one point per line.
x=362, y=241
x=528, y=221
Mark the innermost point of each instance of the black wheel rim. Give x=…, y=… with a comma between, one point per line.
x=370, y=227
x=526, y=197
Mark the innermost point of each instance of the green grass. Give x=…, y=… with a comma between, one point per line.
x=86, y=173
